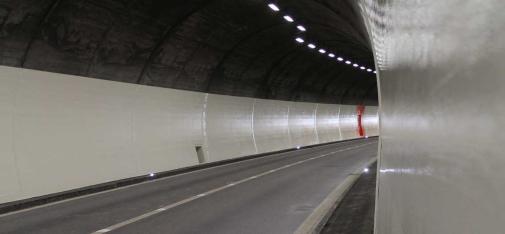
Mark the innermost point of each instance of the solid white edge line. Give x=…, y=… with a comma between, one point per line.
x=316, y=220
x=173, y=205
x=151, y=181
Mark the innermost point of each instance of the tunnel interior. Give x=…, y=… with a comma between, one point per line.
x=116, y=94
x=238, y=48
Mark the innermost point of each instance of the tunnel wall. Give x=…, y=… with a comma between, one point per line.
x=61, y=132
x=441, y=77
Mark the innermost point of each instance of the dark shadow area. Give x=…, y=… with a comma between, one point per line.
x=238, y=48
x=355, y=214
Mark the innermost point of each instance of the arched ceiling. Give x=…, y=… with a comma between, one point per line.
x=231, y=47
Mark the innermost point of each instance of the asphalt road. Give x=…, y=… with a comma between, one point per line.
x=272, y=194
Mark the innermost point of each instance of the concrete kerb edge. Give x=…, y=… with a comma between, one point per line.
x=19, y=205
x=318, y=218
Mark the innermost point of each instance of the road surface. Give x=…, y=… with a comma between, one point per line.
x=272, y=194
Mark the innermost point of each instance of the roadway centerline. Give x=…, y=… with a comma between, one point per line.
x=212, y=191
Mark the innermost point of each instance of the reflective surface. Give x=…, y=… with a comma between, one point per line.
x=442, y=115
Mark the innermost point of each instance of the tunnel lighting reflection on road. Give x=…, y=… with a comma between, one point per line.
x=331, y=55
x=289, y=18
x=322, y=51
x=355, y=65
x=299, y=40
x=347, y=62
x=301, y=28
x=312, y=46
x=273, y=7
x=341, y=59
x=365, y=170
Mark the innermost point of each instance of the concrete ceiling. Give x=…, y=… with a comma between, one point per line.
x=231, y=47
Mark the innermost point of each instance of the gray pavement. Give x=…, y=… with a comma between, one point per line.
x=272, y=194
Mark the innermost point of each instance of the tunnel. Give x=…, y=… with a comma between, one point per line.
x=251, y=116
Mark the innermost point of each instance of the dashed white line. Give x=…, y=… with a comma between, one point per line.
x=190, y=199
x=149, y=181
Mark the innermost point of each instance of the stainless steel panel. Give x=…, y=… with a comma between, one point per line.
x=442, y=115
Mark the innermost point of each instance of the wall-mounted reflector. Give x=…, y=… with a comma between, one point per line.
x=289, y=18
x=312, y=46
x=301, y=28
x=273, y=7
x=299, y=40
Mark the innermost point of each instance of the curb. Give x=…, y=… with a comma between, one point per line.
x=19, y=205
x=315, y=222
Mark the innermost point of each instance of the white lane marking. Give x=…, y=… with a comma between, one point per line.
x=190, y=199
x=162, y=179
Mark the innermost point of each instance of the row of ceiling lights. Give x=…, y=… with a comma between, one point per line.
x=312, y=46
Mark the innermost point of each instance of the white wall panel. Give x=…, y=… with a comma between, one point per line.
x=348, y=122
x=61, y=132
x=271, y=129
x=229, y=127
x=71, y=132
x=370, y=121
x=327, y=123
x=167, y=127
x=9, y=181
x=302, y=124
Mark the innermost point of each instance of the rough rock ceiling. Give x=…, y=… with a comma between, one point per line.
x=232, y=47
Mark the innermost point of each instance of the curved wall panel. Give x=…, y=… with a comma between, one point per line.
x=166, y=120
x=441, y=167
x=328, y=126
x=61, y=132
x=271, y=129
x=370, y=121
x=71, y=131
x=302, y=124
x=8, y=168
x=229, y=127
x=348, y=122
